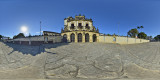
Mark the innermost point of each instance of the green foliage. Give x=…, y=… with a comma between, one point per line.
x=115, y=34
x=139, y=27
x=142, y=35
x=1, y=37
x=20, y=35
x=108, y=34
x=157, y=38
x=133, y=33
x=149, y=37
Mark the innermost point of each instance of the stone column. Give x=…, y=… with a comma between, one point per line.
x=69, y=26
x=76, y=37
x=83, y=37
x=84, y=25
x=90, y=37
x=68, y=38
x=77, y=25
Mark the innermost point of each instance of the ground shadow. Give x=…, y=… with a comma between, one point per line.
x=32, y=50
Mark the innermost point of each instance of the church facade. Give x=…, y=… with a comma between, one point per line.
x=79, y=29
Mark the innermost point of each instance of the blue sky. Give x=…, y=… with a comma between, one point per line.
x=106, y=14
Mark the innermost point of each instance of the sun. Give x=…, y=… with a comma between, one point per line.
x=24, y=29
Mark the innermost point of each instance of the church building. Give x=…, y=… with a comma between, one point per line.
x=79, y=29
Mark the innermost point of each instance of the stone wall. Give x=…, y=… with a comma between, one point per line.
x=36, y=40
x=121, y=40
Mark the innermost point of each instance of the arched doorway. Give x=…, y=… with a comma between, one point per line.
x=94, y=38
x=72, y=37
x=87, y=37
x=64, y=38
x=79, y=37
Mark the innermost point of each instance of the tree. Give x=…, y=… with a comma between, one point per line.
x=149, y=37
x=20, y=35
x=142, y=35
x=1, y=37
x=133, y=33
x=140, y=27
x=157, y=38
x=108, y=34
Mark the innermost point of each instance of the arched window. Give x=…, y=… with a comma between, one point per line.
x=72, y=37
x=87, y=37
x=72, y=26
x=87, y=26
x=80, y=25
x=79, y=37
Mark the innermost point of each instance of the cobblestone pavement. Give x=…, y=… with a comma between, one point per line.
x=76, y=61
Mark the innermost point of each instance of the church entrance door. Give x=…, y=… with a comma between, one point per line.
x=87, y=37
x=79, y=37
x=72, y=37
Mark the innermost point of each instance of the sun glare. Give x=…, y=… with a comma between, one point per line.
x=24, y=29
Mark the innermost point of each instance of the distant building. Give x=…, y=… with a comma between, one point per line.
x=49, y=33
x=5, y=38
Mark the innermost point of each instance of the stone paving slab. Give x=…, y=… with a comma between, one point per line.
x=80, y=61
x=85, y=79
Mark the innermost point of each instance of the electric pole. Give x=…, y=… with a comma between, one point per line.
x=40, y=28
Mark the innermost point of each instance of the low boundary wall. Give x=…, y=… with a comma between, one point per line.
x=37, y=40
x=121, y=40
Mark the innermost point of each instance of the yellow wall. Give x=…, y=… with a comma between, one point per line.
x=83, y=35
x=121, y=40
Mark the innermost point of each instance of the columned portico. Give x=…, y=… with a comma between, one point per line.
x=81, y=36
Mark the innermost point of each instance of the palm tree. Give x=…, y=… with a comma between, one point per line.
x=140, y=28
